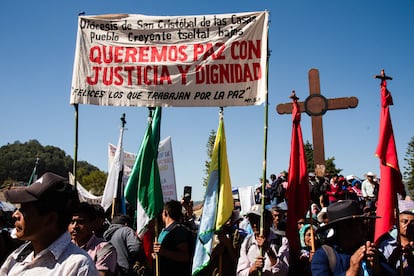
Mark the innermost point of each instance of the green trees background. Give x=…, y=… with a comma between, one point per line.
x=17, y=161
x=408, y=175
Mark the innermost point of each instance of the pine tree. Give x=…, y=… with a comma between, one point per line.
x=408, y=174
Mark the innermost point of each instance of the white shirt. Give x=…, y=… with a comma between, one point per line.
x=62, y=257
x=247, y=259
x=367, y=188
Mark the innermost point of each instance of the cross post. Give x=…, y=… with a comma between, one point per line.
x=316, y=105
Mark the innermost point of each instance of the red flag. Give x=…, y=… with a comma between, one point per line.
x=390, y=179
x=298, y=187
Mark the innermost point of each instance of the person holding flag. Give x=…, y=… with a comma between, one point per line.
x=174, y=244
x=258, y=252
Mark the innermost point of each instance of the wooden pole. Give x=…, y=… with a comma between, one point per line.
x=397, y=224
x=75, y=155
x=312, y=232
x=266, y=119
x=157, y=261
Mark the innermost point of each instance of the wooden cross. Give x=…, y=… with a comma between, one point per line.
x=316, y=105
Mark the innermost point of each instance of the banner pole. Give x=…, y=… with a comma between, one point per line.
x=75, y=155
x=266, y=116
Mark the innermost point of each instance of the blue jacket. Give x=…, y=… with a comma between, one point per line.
x=320, y=264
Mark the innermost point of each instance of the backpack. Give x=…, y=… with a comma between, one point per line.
x=329, y=251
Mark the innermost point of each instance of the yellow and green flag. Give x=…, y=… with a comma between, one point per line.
x=218, y=202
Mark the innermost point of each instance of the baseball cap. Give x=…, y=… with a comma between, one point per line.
x=48, y=182
x=406, y=207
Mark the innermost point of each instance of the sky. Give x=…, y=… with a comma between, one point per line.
x=347, y=41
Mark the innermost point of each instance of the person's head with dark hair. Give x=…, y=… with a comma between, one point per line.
x=174, y=210
x=101, y=223
x=45, y=211
x=82, y=224
x=278, y=218
x=87, y=210
x=121, y=219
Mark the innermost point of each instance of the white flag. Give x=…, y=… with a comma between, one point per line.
x=111, y=186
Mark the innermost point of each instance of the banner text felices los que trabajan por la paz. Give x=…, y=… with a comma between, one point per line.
x=139, y=60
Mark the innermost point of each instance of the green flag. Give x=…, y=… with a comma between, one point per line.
x=144, y=186
x=33, y=176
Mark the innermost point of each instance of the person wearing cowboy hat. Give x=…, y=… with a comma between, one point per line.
x=369, y=189
x=348, y=250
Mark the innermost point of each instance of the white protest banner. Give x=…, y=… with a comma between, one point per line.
x=200, y=60
x=165, y=165
x=84, y=195
x=166, y=168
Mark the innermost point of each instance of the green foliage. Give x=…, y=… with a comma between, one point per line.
x=330, y=167
x=17, y=161
x=408, y=174
x=94, y=181
x=310, y=166
x=210, y=147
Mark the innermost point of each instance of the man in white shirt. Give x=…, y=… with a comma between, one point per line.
x=42, y=220
x=369, y=190
x=275, y=257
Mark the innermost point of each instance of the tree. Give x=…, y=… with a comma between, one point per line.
x=330, y=167
x=210, y=146
x=17, y=161
x=408, y=175
x=309, y=156
x=95, y=182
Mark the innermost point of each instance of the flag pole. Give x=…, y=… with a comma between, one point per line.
x=117, y=203
x=383, y=77
x=397, y=224
x=157, y=261
x=75, y=155
x=266, y=120
x=33, y=175
x=312, y=232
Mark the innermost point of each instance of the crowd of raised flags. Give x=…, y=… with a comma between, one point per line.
x=143, y=190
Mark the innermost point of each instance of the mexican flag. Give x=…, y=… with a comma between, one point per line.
x=143, y=188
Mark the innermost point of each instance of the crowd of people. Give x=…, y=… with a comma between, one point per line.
x=55, y=234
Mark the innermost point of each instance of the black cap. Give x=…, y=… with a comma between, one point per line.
x=48, y=182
